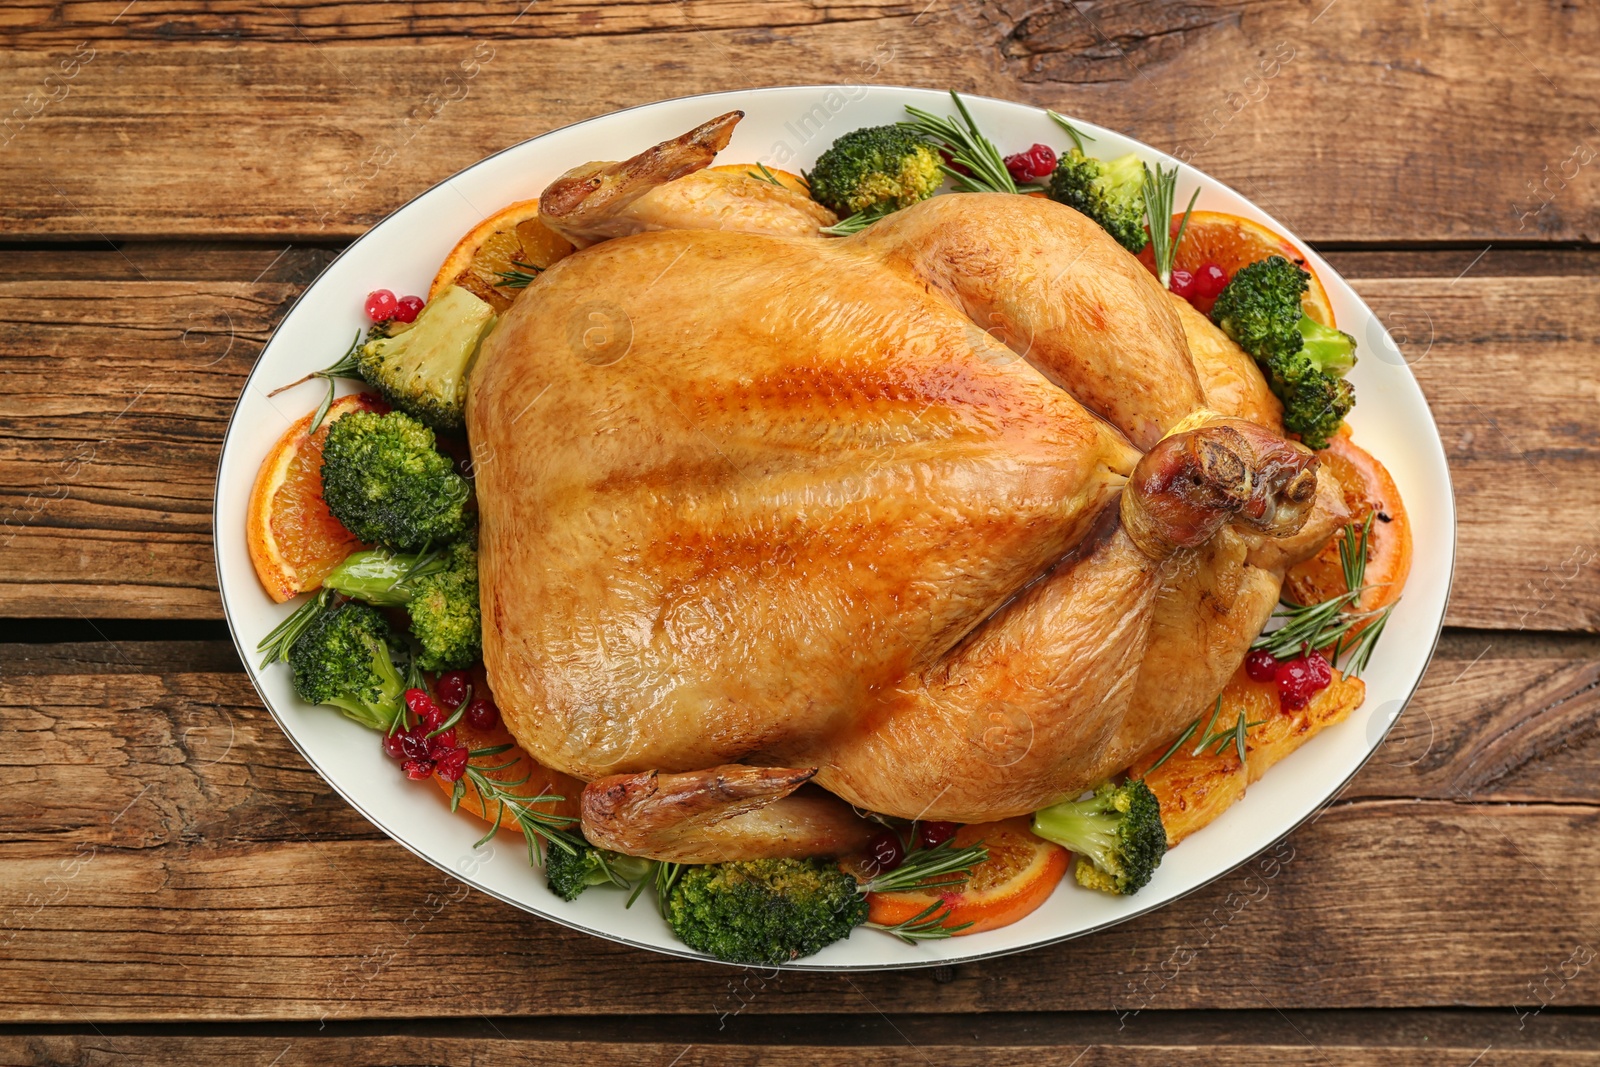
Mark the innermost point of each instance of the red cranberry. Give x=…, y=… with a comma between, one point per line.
x=1182, y=283
x=394, y=744
x=438, y=746
x=381, y=305
x=418, y=769
x=1261, y=665
x=452, y=765
x=452, y=688
x=481, y=714
x=1032, y=165
x=1321, y=670
x=886, y=851
x=417, y=701
x=413, y=744
x=932, y=834
x=407, y=307
x=1295, y=684
x=1209, y=281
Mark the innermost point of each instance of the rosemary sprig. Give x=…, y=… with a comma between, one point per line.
x=344, y=367
x=1160, y=193
x=1175, y=746
x=1215, y=740
x=1327, y=623
x=1206, y=733
x=765, y=175
x=1077, y=135
x=520, y=276
x=664, y=877
x=939, y=867
x=929, y=868
x=539, y=827
x=857, y=222
x=276, y=644
x=967, y=147
x=926, y=925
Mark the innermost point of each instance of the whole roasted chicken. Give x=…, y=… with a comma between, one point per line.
x=952, y=518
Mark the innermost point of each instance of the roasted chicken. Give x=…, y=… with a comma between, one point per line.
x=949, y=519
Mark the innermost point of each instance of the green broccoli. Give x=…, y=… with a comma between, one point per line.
x=777, y=910
x=1305, y=362
x=885, y=167
x=569, y=873
x=764, y=911
x=438, y=590
x=1117, y=834
x=422, y=368
x=383, y=478
x=445, y=617
x=1111, y=193
x=345, y=658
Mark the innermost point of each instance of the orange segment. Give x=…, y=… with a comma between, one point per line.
x=792, y=182
x=1232, y=242
x=541, y=780
x=1020, y=874
x=1194, y=789
x=293, y=540
x=496, y=246
x=1368, y=490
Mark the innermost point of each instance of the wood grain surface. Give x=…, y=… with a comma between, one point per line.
x=1350, y=121
x=180, y=887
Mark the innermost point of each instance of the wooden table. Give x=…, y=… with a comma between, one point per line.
x=177, y=886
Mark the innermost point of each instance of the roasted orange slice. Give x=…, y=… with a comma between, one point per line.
x=1232, y=242
x=1369, y=490
x=500, y=255
x=1020, y=874
x=506, y=768
x=294, y=540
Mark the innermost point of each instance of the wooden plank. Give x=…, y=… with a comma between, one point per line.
x=1378, y=898
x=1334, y=118
x=118, y=394
x=295, y=1050
x=43, y=24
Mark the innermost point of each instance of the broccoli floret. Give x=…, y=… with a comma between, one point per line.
x=345, y=658
x=1117, y=834
x=1111, y=193
x=383, y=478
x=445, y=617
x=380, y=577
x=880, y=166
x=569, y=873
x=764, y=911
x=422, y=369
x=1304, y=361
x=438, y=590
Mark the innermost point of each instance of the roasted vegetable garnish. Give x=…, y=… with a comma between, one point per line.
x=422, y=369
x=1304, y=361
x=1116, y=833
x=384, y=479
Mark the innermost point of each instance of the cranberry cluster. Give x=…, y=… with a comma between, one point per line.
x=1034, y=165
x=424, y=749
x=382, y=306
x=1298, y=679
x=886, y=850
x=1205, y=284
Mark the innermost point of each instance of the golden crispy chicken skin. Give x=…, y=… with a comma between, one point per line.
x=945, y=518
